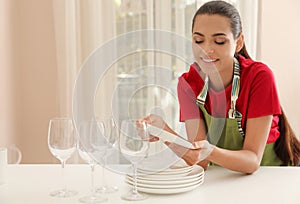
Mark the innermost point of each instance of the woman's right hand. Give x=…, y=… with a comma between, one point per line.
x=155, y=120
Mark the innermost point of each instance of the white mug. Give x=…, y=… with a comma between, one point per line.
x=14, y=155
x=3, y=164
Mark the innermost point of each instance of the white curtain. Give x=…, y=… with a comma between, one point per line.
x=83, y=26
x=250, y=14
x=67, y=52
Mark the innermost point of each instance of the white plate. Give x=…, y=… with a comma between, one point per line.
x=165, y=185
x=174, y=183
x=196, y=172
x=169, y=190
x=178, y=167
x=172, y=169
x=167, y=172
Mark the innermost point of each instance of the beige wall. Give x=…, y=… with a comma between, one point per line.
x=35, y=77
x=6, y=85
x=280, y=44
x=28, y=77
x=29, y=73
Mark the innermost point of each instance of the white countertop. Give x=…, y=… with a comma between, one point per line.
x=30, y=184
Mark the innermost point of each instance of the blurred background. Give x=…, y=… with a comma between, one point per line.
x=44, y=43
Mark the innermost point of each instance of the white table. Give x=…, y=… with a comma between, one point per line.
x=31, y=184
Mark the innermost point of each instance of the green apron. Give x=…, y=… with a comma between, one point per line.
x=227, y=133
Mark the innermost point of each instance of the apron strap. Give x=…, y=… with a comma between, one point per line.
x=202, y=95
x=232, y=113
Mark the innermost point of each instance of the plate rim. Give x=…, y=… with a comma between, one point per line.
x=165, y=184
x=196, y=172
x=168, y=190
x=169, y=169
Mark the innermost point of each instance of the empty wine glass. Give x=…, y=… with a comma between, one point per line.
x=91, y=141
x=111, y=135
x=62, y=144
x=134, y=145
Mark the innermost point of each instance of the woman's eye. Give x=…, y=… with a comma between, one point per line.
x=220, y=42
x=198, y=41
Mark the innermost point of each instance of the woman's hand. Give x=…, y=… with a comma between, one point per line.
x=204, y=164
x=193, y=156
x=155, y=120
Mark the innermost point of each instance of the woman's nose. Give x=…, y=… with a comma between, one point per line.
x=207, y=49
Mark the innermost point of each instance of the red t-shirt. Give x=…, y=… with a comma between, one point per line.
x=258, y=95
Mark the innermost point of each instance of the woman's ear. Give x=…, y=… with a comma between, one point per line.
x=239, y=43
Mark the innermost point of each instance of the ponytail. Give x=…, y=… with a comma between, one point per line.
x=287, y=146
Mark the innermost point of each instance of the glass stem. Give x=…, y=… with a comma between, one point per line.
x=93, y=191
x=64, y=186
x=103, y=172
x=135, y=191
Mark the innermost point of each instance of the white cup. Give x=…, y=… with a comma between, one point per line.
x=3, y=164
x=14, y=155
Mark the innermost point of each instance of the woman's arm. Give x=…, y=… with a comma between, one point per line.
x=196, y=131
x=248, y=159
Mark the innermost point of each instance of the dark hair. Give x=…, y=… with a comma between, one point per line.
x=287, y=146
x=223, y=8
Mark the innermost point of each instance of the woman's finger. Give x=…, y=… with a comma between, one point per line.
x=153, y=138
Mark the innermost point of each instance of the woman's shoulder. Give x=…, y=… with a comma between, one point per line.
x=191, y=79
x=191, y=75
x=252, y=68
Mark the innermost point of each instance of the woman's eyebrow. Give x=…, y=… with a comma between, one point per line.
x=218, y=34
x=214, y=35
x=197, y=33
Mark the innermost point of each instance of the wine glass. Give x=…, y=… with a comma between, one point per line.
x=134, y=145
x=91, y=141
x=62, y=144
x=111, y=135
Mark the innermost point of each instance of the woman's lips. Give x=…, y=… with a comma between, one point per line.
x=208, y=60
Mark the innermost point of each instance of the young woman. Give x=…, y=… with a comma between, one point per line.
x=229, y=103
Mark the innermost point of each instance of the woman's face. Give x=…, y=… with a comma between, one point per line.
x=213, y=43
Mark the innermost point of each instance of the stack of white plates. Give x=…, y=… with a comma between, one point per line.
x=169, y=181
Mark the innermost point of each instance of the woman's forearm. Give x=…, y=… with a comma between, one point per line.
x=244, y=161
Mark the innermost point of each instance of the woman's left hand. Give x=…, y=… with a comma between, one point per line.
x=192, y=156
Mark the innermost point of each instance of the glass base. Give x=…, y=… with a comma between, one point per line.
x=92, y=199
x=131, y=196
x=63, y=193
x=107, y=189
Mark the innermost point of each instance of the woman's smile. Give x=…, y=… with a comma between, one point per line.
x=209, y=60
